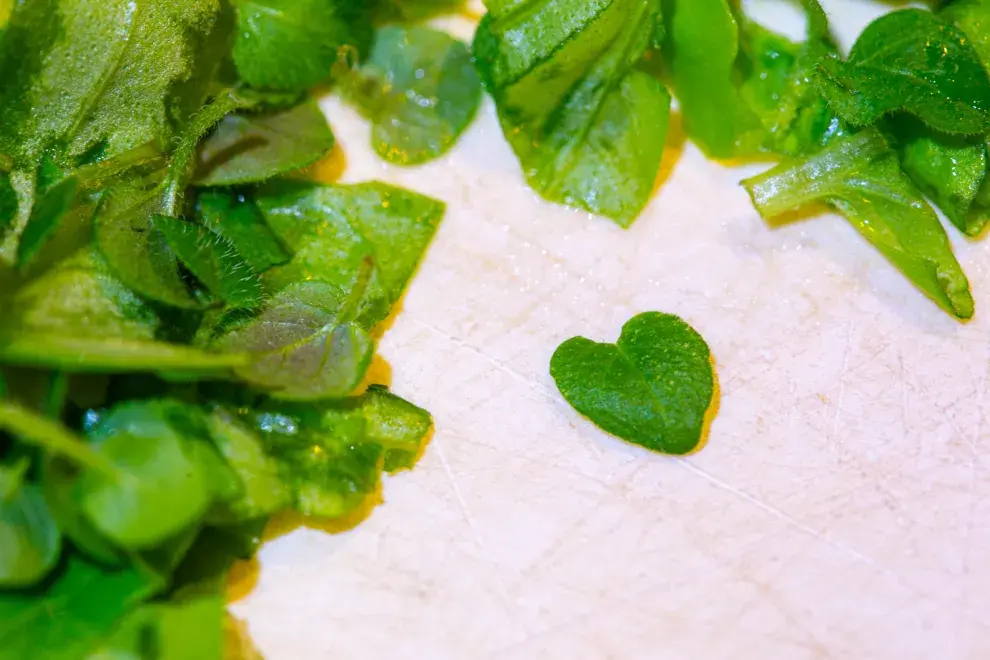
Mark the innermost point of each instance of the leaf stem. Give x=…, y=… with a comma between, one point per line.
x=51, y=436
x=789, y=186
x=202, y=122
x=362, y=280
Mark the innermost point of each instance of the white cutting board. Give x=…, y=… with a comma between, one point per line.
x=840, y=510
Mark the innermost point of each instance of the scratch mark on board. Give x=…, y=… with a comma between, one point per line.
x=785, y=517
x=457, y=493
x=498, y=364
x=843, y=370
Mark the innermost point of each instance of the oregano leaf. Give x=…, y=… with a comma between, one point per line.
x=653, y=387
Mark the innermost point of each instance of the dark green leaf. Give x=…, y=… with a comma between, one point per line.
x=588, y=129
x=653, y=387
x=291, y=45
x=204, y=569
x=74, y=196
x=213, y=260
x=166, y=556
x=30, y=540
x=239, y=221
x=8, y=204
x=420, y=90
x=213, y=71
x=248, y=148
x=64, y=620
x=45, y=217
x=860, y=176
x=160, y=489
x=334, y=229
x=915, y=61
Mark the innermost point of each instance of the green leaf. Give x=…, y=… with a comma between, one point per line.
x=75, y=196
x=330, y=454
x=176, y=630
x=861, y=178
x=356, y=248
x=160, y=489
x=46, y=216
x=334, y=229
x=777, y=85
x=239, y=221
x=291, y=45
x=322, y=455
x=652, y=388
x=951, y=170
x=300, y=350
x=213, y=260
x=30, y=541
x=420, y=90
x=78, y=609
x=588, y=129
x=58, y=480
x=971, y=17
x=400, y=427
x=213, y=72
x=79, y=298
x=85, y=74
x=264, y=492
x=134, y=249
x=249, y=148
x=78, y=317
x=702, y=47
x=915, y=61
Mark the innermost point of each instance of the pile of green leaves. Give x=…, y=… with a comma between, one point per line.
x=903, y=119
x=188, y=319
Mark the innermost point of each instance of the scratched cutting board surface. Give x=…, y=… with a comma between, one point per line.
x=841, y=508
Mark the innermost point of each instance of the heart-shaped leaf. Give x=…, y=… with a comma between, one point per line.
x=652, y=388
